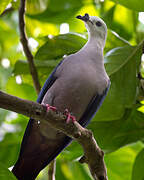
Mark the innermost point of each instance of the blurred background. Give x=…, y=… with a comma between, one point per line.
x=53, y=31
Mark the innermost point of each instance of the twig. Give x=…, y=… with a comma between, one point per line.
x=51, y=170
x=94, y=156
x=26, y=49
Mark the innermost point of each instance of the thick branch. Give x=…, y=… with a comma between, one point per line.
x=26, y=49
x=93, y=155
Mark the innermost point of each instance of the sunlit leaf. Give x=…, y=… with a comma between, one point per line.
x=114, y=40
x=60, y=45
x=5, y=173
x=3, y=4
x=138, y=172
x=121, y=64
x=132, y=4
x=60, y=13
x=119, y=164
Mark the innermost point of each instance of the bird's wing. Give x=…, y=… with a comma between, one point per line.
x=93, y=107
x=48, y=83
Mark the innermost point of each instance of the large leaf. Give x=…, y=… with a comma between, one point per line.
x=23, y=90
x=121, y=19
x=3, y=4
x=36, y=6
x=12, y=131
x=58, y=12
x=8, y=40
x=132, y=4
x=119, y=164
x=138, y=172
x=10, y=146
x=115, y=134
x=60, y=45
x=22, y=67
x=121, y=64
x=5, y=174
x=118, y=21
x=114, y=40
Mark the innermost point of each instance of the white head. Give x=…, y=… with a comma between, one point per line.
x=96, y=27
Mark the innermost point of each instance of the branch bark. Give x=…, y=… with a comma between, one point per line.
x=93, y=155
x=24, y=41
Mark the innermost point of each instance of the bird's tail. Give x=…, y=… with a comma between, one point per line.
x=37, y=152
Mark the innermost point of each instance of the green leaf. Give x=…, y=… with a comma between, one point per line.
x=12, y=131
x=119, y=163
x=9, y=149
x=4, y=75
x=36, y=6
x=22, y=67
x=108, y=16
x=66, y=170
x=114, y=40
x=117, y=58
x=58, y=12
x=138, y=172
x=23, y=90
x=121, y=65
x=3, y=5
x=60, y=45
x=115, y=134
x=132, y=4
x=117, y=22
x=5, y=174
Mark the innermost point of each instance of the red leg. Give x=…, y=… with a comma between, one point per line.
x=50, y=107
x=69, y=116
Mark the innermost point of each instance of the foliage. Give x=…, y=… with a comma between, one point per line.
x=119, y=125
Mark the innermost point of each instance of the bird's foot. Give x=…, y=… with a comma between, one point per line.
x=50, y=108
x=69, y=116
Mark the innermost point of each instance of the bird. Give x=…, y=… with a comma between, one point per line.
x=77, y=86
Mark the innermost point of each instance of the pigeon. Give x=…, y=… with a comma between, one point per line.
x=77, y=86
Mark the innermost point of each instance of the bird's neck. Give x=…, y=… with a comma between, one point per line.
x=93, y=47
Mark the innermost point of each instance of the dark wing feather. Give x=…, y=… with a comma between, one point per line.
x=48, y=83
x=93, y=107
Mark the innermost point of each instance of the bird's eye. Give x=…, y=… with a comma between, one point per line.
x=98, y=23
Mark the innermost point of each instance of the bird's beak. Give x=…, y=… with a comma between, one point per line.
x=84, y=18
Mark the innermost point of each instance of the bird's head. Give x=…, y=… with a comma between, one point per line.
x=96, y=27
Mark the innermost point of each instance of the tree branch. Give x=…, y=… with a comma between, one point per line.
x=24, y=41
x=93, y=155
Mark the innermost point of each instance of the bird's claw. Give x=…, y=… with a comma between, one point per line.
x=50, y=108
x=69, y=116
